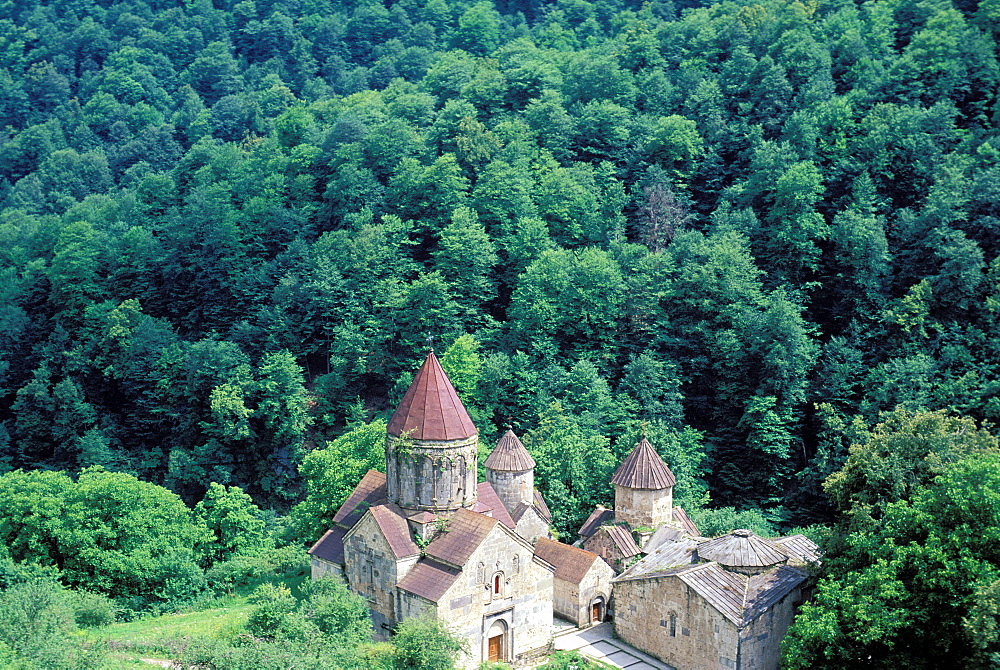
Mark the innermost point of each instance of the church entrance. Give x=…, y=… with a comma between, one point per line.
x=496, y=642
x=597, y=610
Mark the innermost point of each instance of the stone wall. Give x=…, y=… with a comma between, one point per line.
x=665, y=618
x=430, y=475
x=532, y=526
x=644, y=507
x=760, y=642
x=372, y=571
x=573, y=601
x=601, y=544
x=523, y=607
x=512, y=487
x=320, y=568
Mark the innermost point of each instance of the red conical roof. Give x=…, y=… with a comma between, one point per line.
x=431, y=410
x=510, y=455
x=643, y=469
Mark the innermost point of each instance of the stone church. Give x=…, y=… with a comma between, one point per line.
x=427, y=538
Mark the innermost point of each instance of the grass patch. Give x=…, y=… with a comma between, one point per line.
x=158, y=637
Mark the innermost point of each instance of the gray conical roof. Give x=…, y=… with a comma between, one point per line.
x=643, y=469
x=742, y=549
x=510, y=455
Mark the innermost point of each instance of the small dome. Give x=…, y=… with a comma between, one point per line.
x=742, y=549
x=509, y=455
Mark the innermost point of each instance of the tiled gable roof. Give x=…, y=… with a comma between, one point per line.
x=597, y=518
x=509, y=455
x=681, y=517
x=742, y=549
x=643, y=469
x=623, y=540
x=429, y=579
x=800, y=548
x=431, y=409
x=396, y=531
x=541, y=507
x=369, y=491
x=487, y=500
x=330, y=547
x=724, y=590
x=571, y=563
x=466, y=531
x=667, y=559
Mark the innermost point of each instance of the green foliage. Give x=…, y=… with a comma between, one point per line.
x=107, y=532
x=933, y=558
x=425, y=644
x=330, y=474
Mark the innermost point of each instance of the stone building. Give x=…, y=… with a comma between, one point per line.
x=644, y=502
x=712, y=604
x=427, y=538
x=477, y=570
x=582, y=582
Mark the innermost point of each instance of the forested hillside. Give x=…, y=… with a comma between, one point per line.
x=227, y=230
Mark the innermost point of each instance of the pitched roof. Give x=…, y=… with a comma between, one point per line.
x=369, y=491
x=466, y=531
x=509, y=455
x=666, y=559
x=487, y=500
x=431, y=409
x=571, y=563
x=766, y=589
x=330, y=547
x=429, y=579
x=623, y=540
x=738, y=597
x=663, y=535
x=597, y=518
x=541, y=507
x=681, y=517
x=742, y=549
x=800, y=548
x=724, y=590
x=396, y=531
x=643, y=469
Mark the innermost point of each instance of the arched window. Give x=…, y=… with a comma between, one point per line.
x=497, y=585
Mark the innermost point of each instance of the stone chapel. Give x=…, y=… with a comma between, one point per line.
x=426, y=538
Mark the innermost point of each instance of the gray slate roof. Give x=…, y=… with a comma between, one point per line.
x=799, y=548
x=742, y=549
x=643, y=469
x=597, y=518
x=509, y=455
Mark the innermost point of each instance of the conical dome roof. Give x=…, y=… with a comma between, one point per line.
x=742, y=549
x=643, y=469
x=431, y=409
x=509, y=455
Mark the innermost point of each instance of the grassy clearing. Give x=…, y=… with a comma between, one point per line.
x=154, y=637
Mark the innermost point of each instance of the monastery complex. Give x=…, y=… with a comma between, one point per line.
x=427, y=538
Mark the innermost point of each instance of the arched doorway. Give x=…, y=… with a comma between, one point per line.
x=497, y=642
x=597, y=610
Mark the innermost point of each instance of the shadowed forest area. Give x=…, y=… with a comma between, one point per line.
x=759, y=231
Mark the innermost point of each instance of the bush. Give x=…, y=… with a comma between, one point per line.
x=91, y=610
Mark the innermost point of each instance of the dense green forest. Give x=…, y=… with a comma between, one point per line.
x=749, y=228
